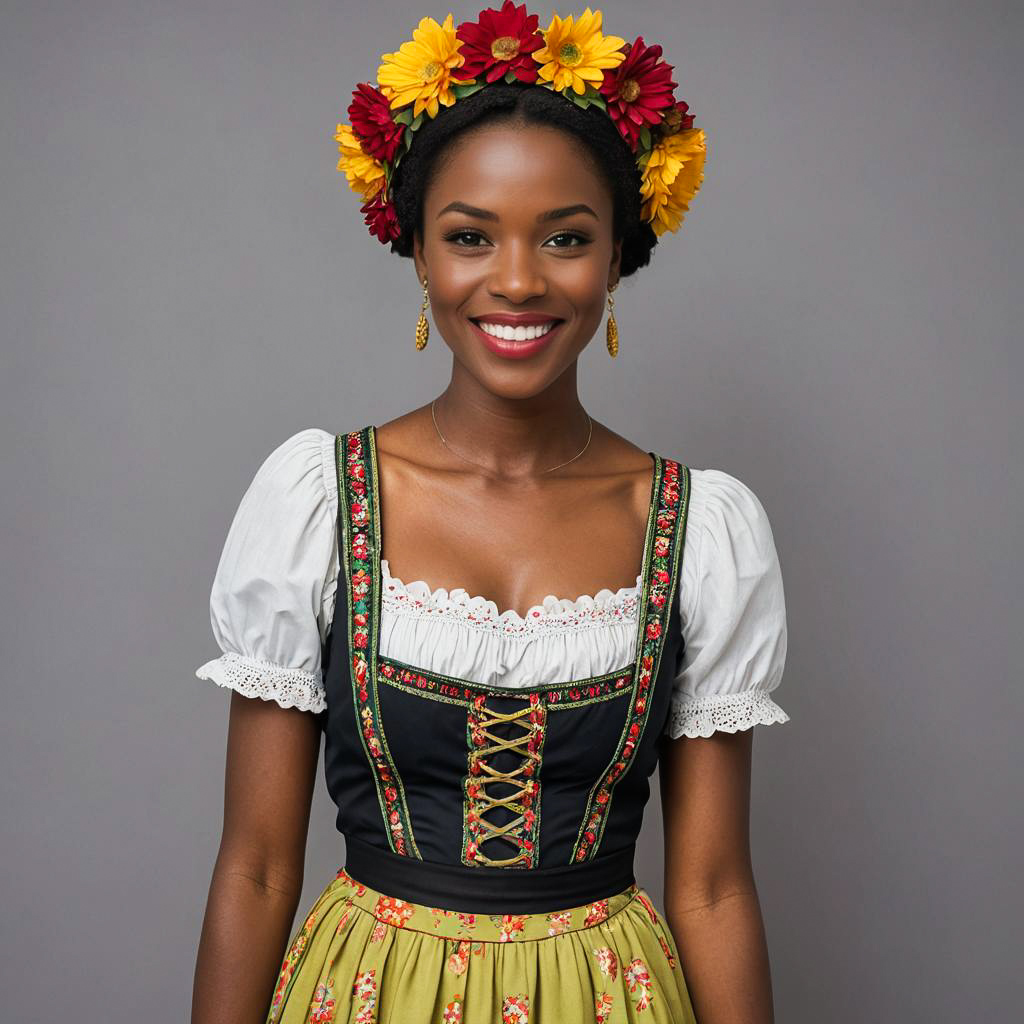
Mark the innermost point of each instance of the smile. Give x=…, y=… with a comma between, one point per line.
x=515, y=342
x=516, y=333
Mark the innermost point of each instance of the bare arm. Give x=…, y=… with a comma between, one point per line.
x=711, y=901
x=272, y=754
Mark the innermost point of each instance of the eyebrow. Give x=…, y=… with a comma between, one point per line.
x=556, y=214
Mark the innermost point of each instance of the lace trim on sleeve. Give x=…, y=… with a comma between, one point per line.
x=728, y=712
x=252, y=677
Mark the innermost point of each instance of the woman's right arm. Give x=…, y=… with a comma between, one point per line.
x=272, y=757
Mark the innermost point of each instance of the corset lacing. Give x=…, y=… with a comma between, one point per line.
x=521, y=799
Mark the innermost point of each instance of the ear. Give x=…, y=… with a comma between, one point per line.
x=613, y=267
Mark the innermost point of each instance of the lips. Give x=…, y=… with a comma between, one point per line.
x=515, y=349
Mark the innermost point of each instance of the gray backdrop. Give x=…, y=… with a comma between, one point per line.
x=186, y=281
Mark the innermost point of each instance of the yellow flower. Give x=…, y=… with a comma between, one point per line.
x=364, y=173
x=671, y=177
x=577, y=54
x=420, y=72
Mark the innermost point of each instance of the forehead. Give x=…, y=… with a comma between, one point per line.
x=517, y=168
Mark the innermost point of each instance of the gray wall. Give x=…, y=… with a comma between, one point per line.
x=186, y=280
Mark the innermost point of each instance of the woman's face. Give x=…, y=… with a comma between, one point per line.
x=517, y=225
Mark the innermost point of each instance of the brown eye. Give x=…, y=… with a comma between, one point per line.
x=581, y=239
x=463, y=234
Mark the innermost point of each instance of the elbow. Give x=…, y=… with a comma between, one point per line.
x=266, y=871
x=707, y=890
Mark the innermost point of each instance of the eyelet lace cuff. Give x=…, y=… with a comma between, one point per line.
x=253, y=677
x=725, y=712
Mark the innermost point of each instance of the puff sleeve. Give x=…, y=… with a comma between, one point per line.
x=273, y=590
x=733, y=614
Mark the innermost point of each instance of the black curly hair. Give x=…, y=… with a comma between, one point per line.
x=516, y=101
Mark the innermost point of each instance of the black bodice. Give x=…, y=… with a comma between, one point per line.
x=473, y=797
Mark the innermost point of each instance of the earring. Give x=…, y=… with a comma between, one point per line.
x=422, y=327
x=613, y=327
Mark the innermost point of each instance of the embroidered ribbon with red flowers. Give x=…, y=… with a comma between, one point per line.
x=659, y=585
x=361, y=529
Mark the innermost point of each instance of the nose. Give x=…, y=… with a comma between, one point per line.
x=517, y=275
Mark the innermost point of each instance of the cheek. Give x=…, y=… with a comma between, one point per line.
x=454, y=282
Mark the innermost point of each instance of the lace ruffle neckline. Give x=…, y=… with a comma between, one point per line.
x=552, y=614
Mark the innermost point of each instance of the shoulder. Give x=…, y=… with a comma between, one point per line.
x=730, y=547
x=722, y=502
x=305, y=450
x=298, y=469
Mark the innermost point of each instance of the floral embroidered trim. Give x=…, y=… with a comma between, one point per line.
x=666, y=531
x=360, y=522
x=254, y=677
x=521, y=796
x=727, y=712
x=457, y=691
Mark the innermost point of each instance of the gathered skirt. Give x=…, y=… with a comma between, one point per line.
x=362, y=957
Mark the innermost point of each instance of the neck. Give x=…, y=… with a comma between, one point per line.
x=513, y=437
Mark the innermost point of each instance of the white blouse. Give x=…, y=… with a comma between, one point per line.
x=274, y=591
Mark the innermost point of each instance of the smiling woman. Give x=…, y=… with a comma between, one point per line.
x=504, y=235
x=489, y=743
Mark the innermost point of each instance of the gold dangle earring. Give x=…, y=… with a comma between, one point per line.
x=422, y=327
x=613, y=327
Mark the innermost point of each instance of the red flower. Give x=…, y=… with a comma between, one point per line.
x=370, y=114
x=677, y=119
x=638, y=89
x=381, y=217
x=501, y=41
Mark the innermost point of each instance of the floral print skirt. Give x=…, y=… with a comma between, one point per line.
x=361, y=957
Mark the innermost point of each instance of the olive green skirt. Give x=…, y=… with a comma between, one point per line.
x=361, y=957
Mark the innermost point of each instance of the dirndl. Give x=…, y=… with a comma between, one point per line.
x=362, y=957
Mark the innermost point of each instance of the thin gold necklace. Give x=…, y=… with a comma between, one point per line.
x=444, y=441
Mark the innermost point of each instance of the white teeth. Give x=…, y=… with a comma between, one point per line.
x=517, y=333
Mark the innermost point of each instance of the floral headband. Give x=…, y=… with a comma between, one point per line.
x=443, y=64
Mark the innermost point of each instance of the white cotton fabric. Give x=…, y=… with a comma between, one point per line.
x=274, y=591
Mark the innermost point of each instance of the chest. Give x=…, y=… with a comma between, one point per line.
x=514, y=545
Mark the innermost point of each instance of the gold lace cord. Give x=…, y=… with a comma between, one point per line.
x=520, y=800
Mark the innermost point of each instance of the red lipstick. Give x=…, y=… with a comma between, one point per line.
x=516, y=349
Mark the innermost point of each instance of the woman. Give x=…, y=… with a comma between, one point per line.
x=489, y=743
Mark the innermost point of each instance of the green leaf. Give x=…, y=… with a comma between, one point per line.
x=417, y=121
x=461, y=91
x=404, y=116
x=510, y=77
x=590, y=97
x=645, y=137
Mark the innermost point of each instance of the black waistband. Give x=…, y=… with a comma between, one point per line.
x=486, y=890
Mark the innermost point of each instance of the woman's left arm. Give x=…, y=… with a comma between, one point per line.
x=711, y=901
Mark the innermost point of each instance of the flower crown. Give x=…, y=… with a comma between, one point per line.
x=443, y=64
